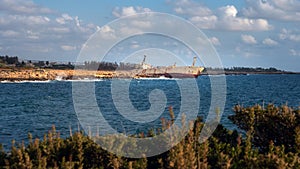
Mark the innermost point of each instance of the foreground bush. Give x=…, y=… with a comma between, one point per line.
x=225, y=149
x=279, y=125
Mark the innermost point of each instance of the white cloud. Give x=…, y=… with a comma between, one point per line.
x=9, y=33
x=32, y=35
x=295, y=38
x=191, y=8
x=107, y=32
x=205, y=22
x=230, y=20
x=130, y=10
x=293, y=52
x=68, y=47
x=60, y=20
x=67, y=17
x=106, y=29
x=245, y=51
x=284, y=34
x=64, y=18
x=130, y=31
x=38, y=19
x=27, y=7
x=248, y=39
x=141, y=24
x=269, y=42
x=134, y=46
x=59, y=30
x=215, y=41
x=287, y=10
x=29, y=29
x=224, y=18
x=290, y=35
x=77, y=21
x=228, y=11
x=23, y=20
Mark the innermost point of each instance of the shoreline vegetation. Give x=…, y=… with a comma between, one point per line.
x=272, y=140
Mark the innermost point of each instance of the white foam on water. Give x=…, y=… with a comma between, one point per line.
x=158, y=78
x=26, y=81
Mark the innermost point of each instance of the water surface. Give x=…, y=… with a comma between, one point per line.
x=35, y=106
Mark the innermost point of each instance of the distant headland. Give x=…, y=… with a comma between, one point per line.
x=245, y=71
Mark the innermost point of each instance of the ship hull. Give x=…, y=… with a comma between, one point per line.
x=167, y=72
x=167, y=75
x=170, y=72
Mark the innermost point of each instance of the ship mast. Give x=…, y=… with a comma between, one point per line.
x=144, y=64
x=194, y=61
x=144, y=60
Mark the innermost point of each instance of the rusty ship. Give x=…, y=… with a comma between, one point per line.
x=148, y=71
x=145, y=70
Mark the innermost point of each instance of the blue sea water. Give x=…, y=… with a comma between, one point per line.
x=35, y=106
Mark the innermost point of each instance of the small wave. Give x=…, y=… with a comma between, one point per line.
x=159, y=78
x=36, y=81
x=83, y=80
x=7, y=81
x=26, y=81
x=49, y=81
x=58, y=78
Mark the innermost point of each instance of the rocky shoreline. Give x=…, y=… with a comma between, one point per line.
x=49, y=74
x=55, y=74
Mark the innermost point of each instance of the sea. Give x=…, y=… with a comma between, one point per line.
x=35, y=106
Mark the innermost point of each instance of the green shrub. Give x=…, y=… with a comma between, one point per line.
x=281, y=125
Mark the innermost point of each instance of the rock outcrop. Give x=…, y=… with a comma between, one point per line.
x=50, y=74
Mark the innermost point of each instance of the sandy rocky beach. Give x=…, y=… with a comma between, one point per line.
x=51, y=74
x=21, y=74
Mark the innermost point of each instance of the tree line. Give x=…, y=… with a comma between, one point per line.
x=94, y=65
x=244, y=69
x=110, y=66
x=89, y=65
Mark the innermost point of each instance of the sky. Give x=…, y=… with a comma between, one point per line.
x=252, y=33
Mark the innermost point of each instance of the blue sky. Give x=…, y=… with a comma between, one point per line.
x=255, y=33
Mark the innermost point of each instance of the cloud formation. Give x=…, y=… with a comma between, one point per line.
x=248, y=39
x=23, y=7
x=215, y=41
x=191, y=8
x=68, y=47
x=292, y=35
x=28, y=29
x=269, y=42
x=293, y=52
x=286, y=10
x=224, y=18
x=129, y=10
